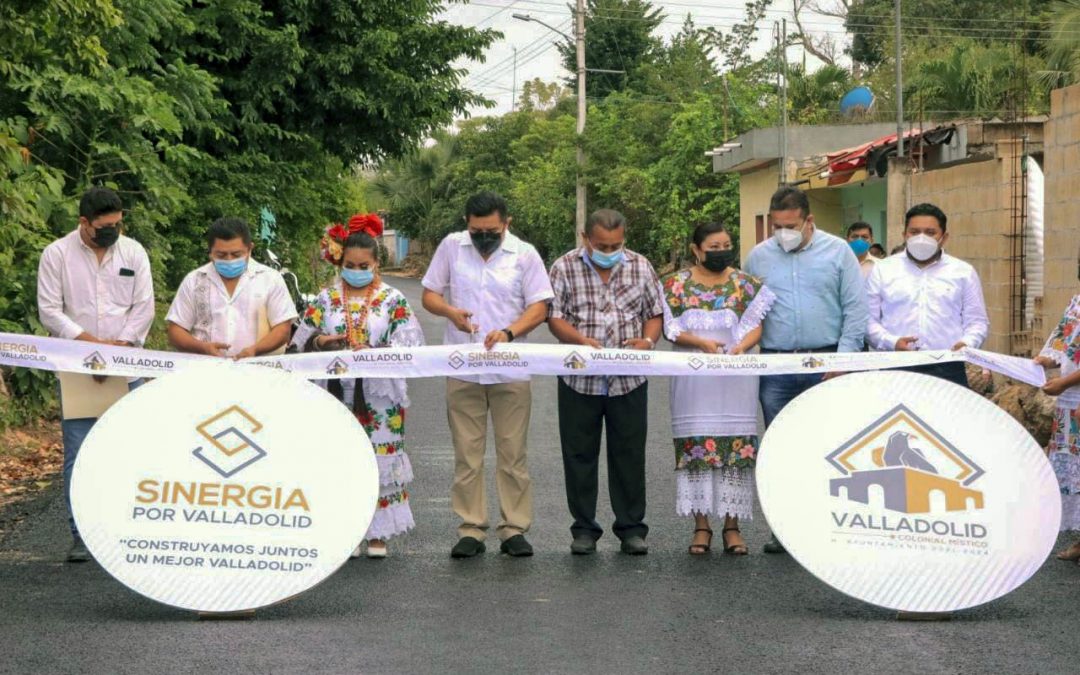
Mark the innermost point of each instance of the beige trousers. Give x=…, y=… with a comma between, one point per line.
x=467, y=406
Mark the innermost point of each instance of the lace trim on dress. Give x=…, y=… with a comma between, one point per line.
x=396, y=389
x=715, y=493
x=755, y=313
x=394, y=520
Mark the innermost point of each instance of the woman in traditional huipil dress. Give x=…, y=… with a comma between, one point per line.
x=716, y=309
x=359, y=311
x=1063, y=349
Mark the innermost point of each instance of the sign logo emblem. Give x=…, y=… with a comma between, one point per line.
x=231, y=448
x=456, y=360
x=337, y=367
x=574, y=361
x=812, y=362
x=910, y=463
x=95, y=362
x=696, y=363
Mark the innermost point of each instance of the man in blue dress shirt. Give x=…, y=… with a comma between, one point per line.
x=820, y=301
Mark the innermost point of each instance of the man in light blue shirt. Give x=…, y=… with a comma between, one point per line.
x=820, y=300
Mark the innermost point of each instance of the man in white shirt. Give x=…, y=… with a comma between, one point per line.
x=94, y=285
x=232, y=306
x=925, y=298
x=491, y=287
x=860, y=237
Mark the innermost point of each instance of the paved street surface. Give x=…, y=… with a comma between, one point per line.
x=420, y=611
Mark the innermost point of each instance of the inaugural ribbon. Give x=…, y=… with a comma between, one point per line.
x=44, y=353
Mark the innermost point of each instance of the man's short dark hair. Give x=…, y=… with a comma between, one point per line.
x=609, y=219
x=859, y=226
x=788, y=198
x=484, y=204
x=878, y=249
x=99, y=201
x=926, y=210
x=227, y=229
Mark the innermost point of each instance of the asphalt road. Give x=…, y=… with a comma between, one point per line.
x=420, y=611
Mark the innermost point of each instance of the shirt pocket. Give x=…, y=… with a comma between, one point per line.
x=506, y=281
x=122, y=290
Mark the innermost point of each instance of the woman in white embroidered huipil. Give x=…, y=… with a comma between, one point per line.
x=715, y=309
x=1063, y=349
x=359, y=311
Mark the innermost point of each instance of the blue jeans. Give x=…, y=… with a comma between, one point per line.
x=75, y=432
x=776, y=391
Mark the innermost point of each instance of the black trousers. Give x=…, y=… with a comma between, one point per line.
x=953, y=371
x=626, y=419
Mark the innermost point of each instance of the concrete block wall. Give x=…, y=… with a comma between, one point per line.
x=1062, y=168
x=976, y=198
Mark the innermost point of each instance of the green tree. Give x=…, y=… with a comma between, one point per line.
x=1063, y=49
x=814, y=97
x=871, y=24
x=619, y=36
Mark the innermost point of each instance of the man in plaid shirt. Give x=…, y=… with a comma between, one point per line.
x=605, y=296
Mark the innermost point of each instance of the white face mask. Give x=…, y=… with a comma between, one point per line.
x=789, y=240
x=922, y=247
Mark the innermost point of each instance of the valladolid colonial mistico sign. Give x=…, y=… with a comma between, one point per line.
x=225, y=488
x=908, y=492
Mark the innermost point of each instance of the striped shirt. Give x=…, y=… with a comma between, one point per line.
x=610, y=313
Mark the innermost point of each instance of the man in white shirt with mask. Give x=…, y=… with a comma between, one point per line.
x=925, y=298
x=94, y=285
x=232, y=306
x=492, y=288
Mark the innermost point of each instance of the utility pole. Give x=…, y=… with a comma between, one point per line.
x=783, y=104
x=899, y=88
x=513, y=87
x=579, y=39
x=579, y=43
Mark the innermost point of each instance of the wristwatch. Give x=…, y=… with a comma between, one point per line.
x=509, y=334
x=652, y=345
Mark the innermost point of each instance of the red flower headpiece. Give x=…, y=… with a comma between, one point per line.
x=366, y=222
x=333, y=242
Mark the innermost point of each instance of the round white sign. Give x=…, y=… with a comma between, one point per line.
x=224, y=488
x=908, y=492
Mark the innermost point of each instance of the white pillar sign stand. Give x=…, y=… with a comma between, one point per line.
x=908, y=492
x=224, y=489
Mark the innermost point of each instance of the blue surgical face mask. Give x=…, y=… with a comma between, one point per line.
x=859, y=246
x=606, y=260
x=357, y=278
x=230, y=269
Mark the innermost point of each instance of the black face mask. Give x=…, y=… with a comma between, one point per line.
x=718, y=261
x=486, y=242
x=106, y=236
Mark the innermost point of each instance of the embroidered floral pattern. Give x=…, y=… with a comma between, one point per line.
x=1065, y=340
x=682, y=293
x=395, y=498
x=704, y=453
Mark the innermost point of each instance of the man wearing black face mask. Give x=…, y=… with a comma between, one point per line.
x=94, y=285
x=492, y=288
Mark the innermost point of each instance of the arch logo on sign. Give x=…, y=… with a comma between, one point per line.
x=908, y=492
x=224, y=488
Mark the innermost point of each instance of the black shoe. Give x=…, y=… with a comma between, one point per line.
x=634, y=545
x=467, y=547
x=583, y=545
x=517, y=547
x=774, y=546
x=78, y=552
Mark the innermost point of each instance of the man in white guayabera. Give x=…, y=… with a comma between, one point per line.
x=926, y=298
x=94, y=285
